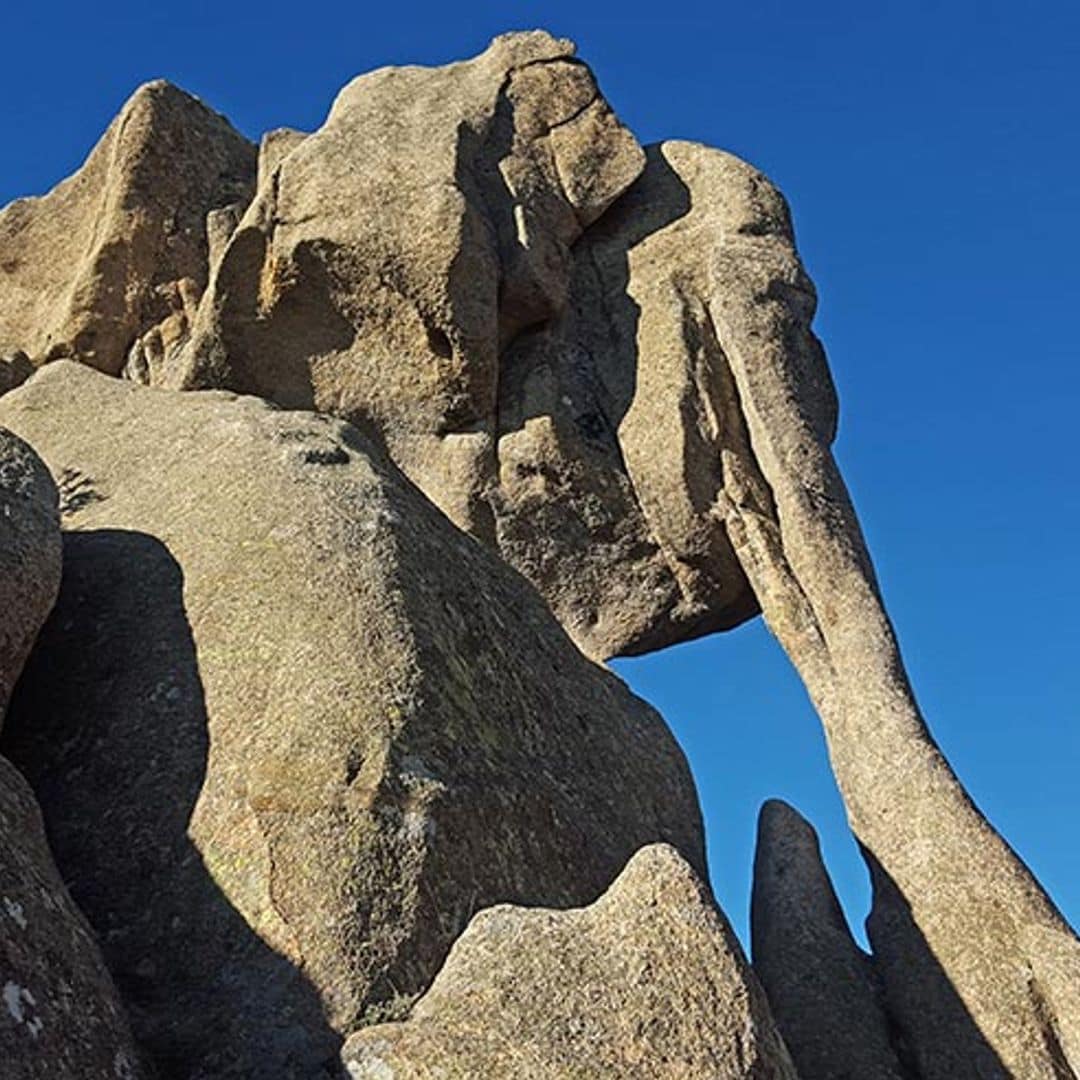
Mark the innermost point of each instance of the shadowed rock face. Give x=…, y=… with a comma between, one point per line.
x=649, y=980
x=109, y=266
x=60, y=1016
x=821, y=986
x=291, y=729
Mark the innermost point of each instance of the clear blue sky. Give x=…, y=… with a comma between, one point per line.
x=930, y=152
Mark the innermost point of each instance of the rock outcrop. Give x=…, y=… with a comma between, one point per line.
x=423, y=266
x=290, y=728
x=821, y=986
x=60, y=1015
x=109, y=266
x=647, y=981
x=388, y=256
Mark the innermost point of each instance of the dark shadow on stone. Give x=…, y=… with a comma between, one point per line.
x=947, y=1042
x=109, y=725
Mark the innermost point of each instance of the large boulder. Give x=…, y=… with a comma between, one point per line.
x=111, y=263
x=821, y=986
x=290, y=728
x=60, y=1015
x=424, y=266
x=647, y=981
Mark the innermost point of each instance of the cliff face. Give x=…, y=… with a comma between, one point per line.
x=310, y=699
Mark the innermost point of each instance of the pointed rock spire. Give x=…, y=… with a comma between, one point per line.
x=821, y=985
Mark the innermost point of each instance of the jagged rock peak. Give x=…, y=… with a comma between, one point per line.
x=111, y=263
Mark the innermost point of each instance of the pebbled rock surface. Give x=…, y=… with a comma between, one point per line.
x=290, y=728
x=60, y=1015
x=822, y=988
x=108, y=267
x=647, y=981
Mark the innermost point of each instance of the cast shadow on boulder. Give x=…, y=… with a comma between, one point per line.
x=927, y=988
x=141, y=771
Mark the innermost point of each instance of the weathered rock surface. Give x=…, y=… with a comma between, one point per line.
x=60, y=1016
x=388, y=255
x=290, y=728
x=647, y=981
x=424, y=266
x=109, y=266
x=979, y=968
x=29, y=555
x=821, y=986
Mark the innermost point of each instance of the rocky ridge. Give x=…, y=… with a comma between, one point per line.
x=283, y=699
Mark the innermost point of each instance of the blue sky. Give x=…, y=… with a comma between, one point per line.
x=930, y=153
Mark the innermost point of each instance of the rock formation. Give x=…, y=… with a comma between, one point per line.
x=60, y=1015
x=422, y=266
x=108, y=267
x=290, y=728
x=821, y=986
x=647, y=981
x=374, y=726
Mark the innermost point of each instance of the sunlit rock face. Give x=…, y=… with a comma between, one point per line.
x=471, y=262
x=108, y=267
x=648, y=979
